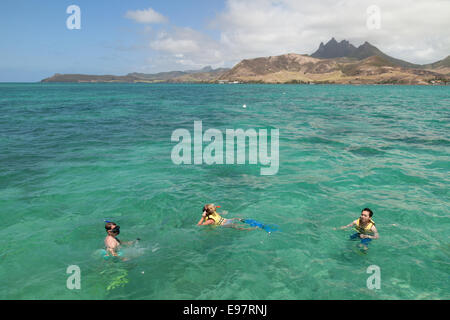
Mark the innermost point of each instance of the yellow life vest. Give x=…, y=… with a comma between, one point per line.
x=217, y=218
x=366, y=229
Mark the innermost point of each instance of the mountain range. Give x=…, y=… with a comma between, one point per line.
x=333, y=62
x=334, y=49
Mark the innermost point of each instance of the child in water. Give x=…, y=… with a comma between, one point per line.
x=211, y=217
x=365, y=228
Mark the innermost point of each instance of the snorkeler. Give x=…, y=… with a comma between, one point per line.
x=365, y=228
x=211, y=217
x=112, y=243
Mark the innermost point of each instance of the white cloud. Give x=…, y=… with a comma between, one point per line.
x=188, y=47
x=412, y=30
x=264, y=27
x=146, y=16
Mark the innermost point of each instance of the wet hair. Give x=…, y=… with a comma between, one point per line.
x=110, y=225
x=209, y=208
x=369, y=211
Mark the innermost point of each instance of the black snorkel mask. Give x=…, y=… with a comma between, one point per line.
x=116, y=230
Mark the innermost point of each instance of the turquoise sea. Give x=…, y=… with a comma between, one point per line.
x=73, y=155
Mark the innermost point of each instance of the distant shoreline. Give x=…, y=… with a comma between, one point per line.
x=241, y=83
x=333, y=63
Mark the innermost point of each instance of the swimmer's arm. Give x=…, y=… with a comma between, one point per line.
x=112, y=251
x=203, y=221
x=114, y=254
x=209, y=221
x=200, y=222
x=130, y=243
x=375, y=234
x=349, y=225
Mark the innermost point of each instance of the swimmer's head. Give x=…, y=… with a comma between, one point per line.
x=366, y=214
x=209, y=209
x=112, y=228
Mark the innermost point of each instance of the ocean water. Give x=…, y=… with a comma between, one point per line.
x=73, y=155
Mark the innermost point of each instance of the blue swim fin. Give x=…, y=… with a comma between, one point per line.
x=268, y=227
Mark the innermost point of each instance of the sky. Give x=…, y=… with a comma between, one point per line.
x=119, y=37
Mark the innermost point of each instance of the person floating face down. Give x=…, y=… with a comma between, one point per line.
x=365, y=227
x=211, y=217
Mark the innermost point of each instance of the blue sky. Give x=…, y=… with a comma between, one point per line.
x=35, y=42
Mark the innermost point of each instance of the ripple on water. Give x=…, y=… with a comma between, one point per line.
x=77, y=154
